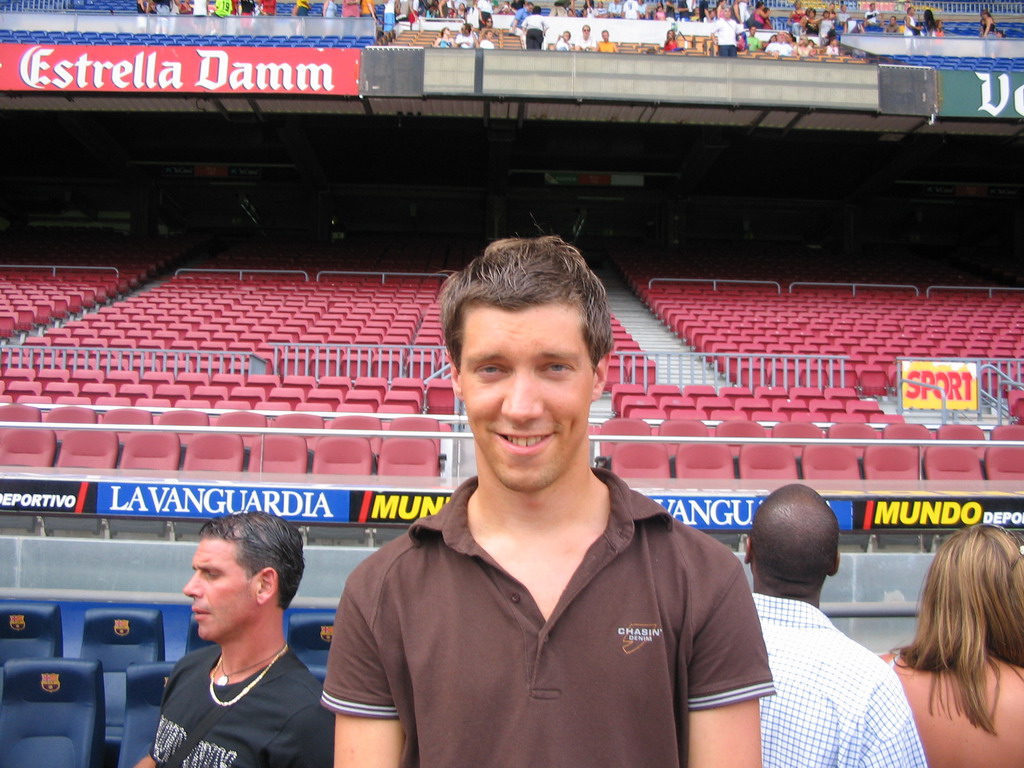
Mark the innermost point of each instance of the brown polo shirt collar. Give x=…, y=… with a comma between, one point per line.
x=453, y=524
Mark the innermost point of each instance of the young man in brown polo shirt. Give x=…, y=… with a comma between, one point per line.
x=548, y=616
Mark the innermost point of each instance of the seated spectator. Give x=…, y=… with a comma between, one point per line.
x=964, y=670
x=466, y=37
x=630, y=10
x=754, y=42
x=487, y=38
x=852, y=26
x=444, y=39
x=606, y=45
x=988, y=24
x=564, y=43
x=761, y=18
x=614, y=9
x=804, y=47
x=871, y=17
x=842, y=17
x=779, y=45
x=832, y=47
x=836, y=703
x=660, y=14
x=893, y=27
x=586, y=43
x=939, y=31
x=671, y=44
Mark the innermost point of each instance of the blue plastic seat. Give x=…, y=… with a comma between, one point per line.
x=144, y=690
x=309, y=636
x=118, y=637
x=52, y=713
x=29, y=630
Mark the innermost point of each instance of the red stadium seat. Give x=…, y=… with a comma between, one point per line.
x=620, y=425
x=343, y=455
x=301, y=420
x=641, y=460
x=214, y=451
x=361, y=422
x=242, y=419
x=183, y=418
x=829, y=462
x=698, y=461
x=1007, y=432
x=739, y=428
x=763, y=462
x=91, y=449
x=891, y=462
x=20, y=412
x=962, y=432
x=409, y=456
x=907, y=432
x=151, y=450
x=683, y=428
x=854, y=431
x=1004, y=462
x=27, y=447
x=279, y=453
x=69, y=414
x=801, y=429
x=951, y=462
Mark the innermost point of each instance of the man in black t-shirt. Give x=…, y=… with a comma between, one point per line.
x=247, y=702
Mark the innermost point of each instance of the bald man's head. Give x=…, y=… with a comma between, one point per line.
x=793, y=544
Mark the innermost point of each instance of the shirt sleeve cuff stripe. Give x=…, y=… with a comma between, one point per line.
x=731, y=697
x=354, y=708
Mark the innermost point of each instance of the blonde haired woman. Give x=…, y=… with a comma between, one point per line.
x=964, y=671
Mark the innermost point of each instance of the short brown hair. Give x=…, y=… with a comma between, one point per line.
x=519, y=273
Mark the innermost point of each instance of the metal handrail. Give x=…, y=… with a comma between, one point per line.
x=988, y=288
x=855, y=286
x=383, y=275
x=713, y=280
x=55, y=267
x=243, y=272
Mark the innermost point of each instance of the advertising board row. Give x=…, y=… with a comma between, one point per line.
x=311, y=504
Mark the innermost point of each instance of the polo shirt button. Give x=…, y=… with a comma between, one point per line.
x=515, y=597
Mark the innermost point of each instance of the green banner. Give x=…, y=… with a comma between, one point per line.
x=982, y=94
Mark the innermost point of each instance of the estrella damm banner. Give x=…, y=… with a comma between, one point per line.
x=958, y=380
x=937, y=513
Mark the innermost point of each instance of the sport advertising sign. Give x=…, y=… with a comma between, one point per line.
x=937, y=513
x=185, y=500
x=958, y=380
x=73, y=496
x=982, y=94
x=179, y=69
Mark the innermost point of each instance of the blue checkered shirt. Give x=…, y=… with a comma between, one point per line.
x=836, y=704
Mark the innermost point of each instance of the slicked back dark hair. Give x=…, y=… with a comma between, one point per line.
x=264, y=541
x=795, y=536
x=521, y=273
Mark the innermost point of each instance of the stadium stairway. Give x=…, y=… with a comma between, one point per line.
x=648, y=331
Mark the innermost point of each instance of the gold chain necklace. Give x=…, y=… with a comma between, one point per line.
x=225, y=678
x=250, y=686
